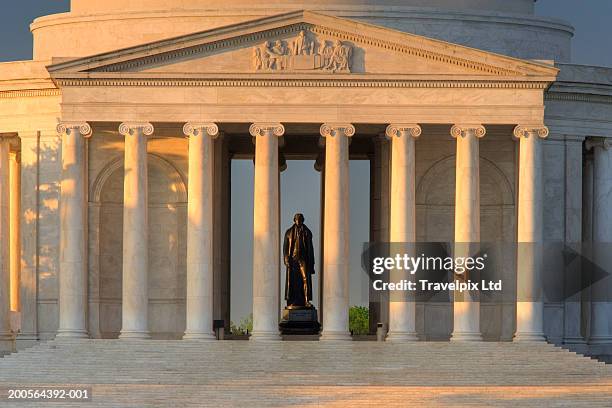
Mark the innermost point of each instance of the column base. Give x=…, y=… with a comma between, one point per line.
x=194, y=336
x=134, y=335
x=603, y=340
x=402, y=337
x=335, y=336
x=529, y=337
x=73, y=334
x=574, y=340
x=466, y=337
x=260, y=336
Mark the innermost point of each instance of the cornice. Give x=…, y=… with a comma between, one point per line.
x=577, y=97
x=345, y=82
x=26, y=93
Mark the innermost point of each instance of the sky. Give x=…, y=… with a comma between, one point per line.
x=592, y=45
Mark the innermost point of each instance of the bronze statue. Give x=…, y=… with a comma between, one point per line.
x=298, y=255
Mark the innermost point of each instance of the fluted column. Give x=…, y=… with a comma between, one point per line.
x=199, y=305
x=135, y=232
x=601, y=291
x=402, y=226
x=73, y=213
x=266, y=232
x=466, y=309
x=529, y=303
x=15, y=252
x=7, y=343
x=336, y=231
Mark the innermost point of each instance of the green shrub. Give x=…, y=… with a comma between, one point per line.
x=359, y=320
x=245, y=326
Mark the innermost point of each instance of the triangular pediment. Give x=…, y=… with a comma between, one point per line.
x=303, y=43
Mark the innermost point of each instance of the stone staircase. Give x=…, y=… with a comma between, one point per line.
x=134, y=373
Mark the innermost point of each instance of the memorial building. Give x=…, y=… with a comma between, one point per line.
x=116, y=142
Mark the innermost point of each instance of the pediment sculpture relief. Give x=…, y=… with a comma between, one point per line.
x=306, y=52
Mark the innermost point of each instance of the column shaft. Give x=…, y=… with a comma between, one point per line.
x=7, y=343
x=601, y=291
x=466, y=308
x=135, y=232
x=29, y=232
x=402, y=227
x=73, y=264
x=199, y=305
x=15, y=256
x=529, y=303
x=266, y=232
x=336, y=232
x=573, y=327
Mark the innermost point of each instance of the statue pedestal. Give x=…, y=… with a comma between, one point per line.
x=300, y=321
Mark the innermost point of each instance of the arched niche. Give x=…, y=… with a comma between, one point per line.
x=435, y=197
x=167, y=249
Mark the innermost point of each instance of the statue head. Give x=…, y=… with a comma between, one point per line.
x=298, y=219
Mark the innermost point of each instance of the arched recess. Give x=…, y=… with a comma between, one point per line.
x=167, y=249
x=435, y=197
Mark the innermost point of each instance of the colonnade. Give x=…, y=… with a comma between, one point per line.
x=266, y=267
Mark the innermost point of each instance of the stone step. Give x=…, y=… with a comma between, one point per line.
x=239, y=373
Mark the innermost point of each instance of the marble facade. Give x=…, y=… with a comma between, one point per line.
x=123, y=235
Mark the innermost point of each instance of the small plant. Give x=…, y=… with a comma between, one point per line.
x=245, y=326
x=359, y=320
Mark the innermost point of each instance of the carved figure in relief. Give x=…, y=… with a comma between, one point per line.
x=277, y=53
x=301, y=46
x=327, y=54
x=340, y=57
x=303, y=53
x=257, y=60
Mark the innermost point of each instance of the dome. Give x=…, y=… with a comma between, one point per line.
x=503, y=26
x=107, y=6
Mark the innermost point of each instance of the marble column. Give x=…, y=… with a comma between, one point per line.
x=529, y=303
x=200, y=263
x=587, y=197
x=573, y=327
x=266, y=232
x=336, y=232
x=29, y=228
x=466, y=309
x=73, y=210
x=15, y=252
x=135, y=302
x=402, y=226
x=601, y=291
x=7, y=341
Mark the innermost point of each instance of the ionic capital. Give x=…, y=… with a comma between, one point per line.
x=530, y=131
x=131, y=128
x=337, y=129
x=467, y=130
x=261, y=129
x=200, y=129
x=601, y=142
x=402, y=130
x=67, y=128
